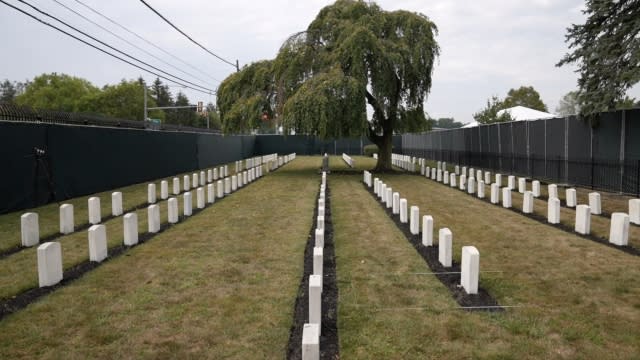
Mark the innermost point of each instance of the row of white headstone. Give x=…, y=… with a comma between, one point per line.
x=49, y=254
x=311, y=330
x=470, y=265
x=619, y=227
x=347, y=159
x=29, y=222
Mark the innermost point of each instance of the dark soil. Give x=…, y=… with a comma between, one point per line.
x=329, y=343
x=482, y=301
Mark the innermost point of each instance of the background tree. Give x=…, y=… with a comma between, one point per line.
x=446, y=123
x=569, y=104
x=8, y=92
x=489, y=114
x=524, y=96
x=124, y=101
x=606, y=49
x=186, y=117
x=57, y=92
x=353, y=55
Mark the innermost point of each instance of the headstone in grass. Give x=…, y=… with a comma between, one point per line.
x=422, y=169
x=164, y=189
x=185, y=183
x=187, y=200
x=463, y=182
x=211, y=193
x=318, y=255
x=383, y=191
x=439, y=176
x=389, y=198
x=245, y=177
x=457, y=169
x=319, y=238
x=194, y=180
x=310, y=342
x=511, y=182
x=321, y=211
x=553, y=211
x=471, y=186
x=583, y=219
x=215, y=174
x=414, y=220
x=315, y=300
x=506, y=197
x=487, y=177
x=49, y=264
x=116, y=203
x=325, y=163
x=495, y=193
x=172, y=210
x=445, y=178
x=66, y=219
x=209, y=176
x=220, y=189
x=470, y=269
x=570, y=195
x=202, y=178
x=403, y=211
x=472, y=172
x=480, y=189
x=176, y=186
x=130, y=222
x=594, y=203
x=527, y=202
x=30, y=229
x=439, y=165
x=427, y=172
x=321, y=201
x=240, y=184
x=552, y=190
x=478, y=175
x=634, y=211
x=452, y=180
x=427, y=230
x=464, y=171
x=200, y=198
x=153, y=213
x=320, y=222
x=151, y=193
x=227, y=186
x=97, y=243
x=94, y=210
x=535, y=188
x=396, y=203
x=445, y=239
x=498, y=180
x=619, y=232
x=522, y=185
x=226, y=170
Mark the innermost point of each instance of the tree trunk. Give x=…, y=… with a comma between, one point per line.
x=385, y=144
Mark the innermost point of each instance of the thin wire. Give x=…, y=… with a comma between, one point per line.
x=110, y=47
x=143, y=39
x=97, y=48
x=187, y=36
x=127, y=41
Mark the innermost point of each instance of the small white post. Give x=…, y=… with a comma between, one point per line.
x=427, y=230
x=66, y=219
x=172, y=210
x=116, y=204
x=130, y=222
x=187, y=203
x=97, y=243
x=506, y=197
x=583, y=219
x=619, y=232
x=30, y=229
x=94, y=210
x=164, y=189
x=594, y=203
x=527, y=202
x=470, y=268
x=445, y=238
x=403, y=211
x=414, y=223
x=151, y=193
x=553, y=211
x=571, y=197
x=49, y=264
x=153, y=213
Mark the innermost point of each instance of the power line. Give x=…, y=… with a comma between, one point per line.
x=100, y=49
x=109, y=46
x=188, y=37
x=143, y=39
x=125, y=40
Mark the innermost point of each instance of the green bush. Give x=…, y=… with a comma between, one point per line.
x=369, y=150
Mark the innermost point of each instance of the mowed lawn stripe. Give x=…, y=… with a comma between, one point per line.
x=580, y=298
x=218, y=285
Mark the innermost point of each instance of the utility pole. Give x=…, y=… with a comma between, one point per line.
x=237, y=65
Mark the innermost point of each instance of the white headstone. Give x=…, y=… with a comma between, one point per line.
x=414, y=220
x=594, y=203
x=506, y=197
x=220, y=189
x=535, y=188
x=445, y=178
x=200, y=198
x=480, y=189
x=215, y=174
x=321, y=211
x=49, y=264
x=383, y=191
x=311, y=342
x=227, y=186
x=396, y=203
x=487, y=177
x=439, y=175
x=427, y=230
x=30, y=229
x=478, y=175
x=571, y=197
x=94, y=210
x=511, y=182
x=619, y=232
x=176, y=186
x=172, y=210
x=457, y=170
x=226, y=170
x=389, y=198
x=553, y=211
x=67, y=224
x=495, y=193
x=464, y=171
x=186, y=183
x=116, y=203
x=445, y=238
x=187, y=201
x=315, y=300
x=319, y=238
x=552, y=190
x=234, y=183
x=470, y=268
x=471, y=186
x=318, y=255
x=320, y=222
x=194, y=180
x=97, y=243
x=434, y=173
x=403, y=211
x=153, y=212
x=634, y=211
x=452, y=180
x=211, y=193
x=202, y=178
x=498, y=180
x=527, y=202
x=463, y=182
x=583, y=219
x=151, y=193
x=209, y=175
x=130, y=222
x=522, y=185
x=164, y=189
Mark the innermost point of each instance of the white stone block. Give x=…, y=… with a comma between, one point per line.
x=495, y=193
x=234, y=183
x=452, y=180
x=511, y=182
x=319, y=238
x=445, y=239
x=487, y=177
x=245, y=178
x=480, y=189
x=471, y=186
x=464, y=171
x=522, y=185
x=414, y=220
x=318, y=255
x=67, y=224
x=176, y=186
x=30, y=229
x=130, y=225
x=634, y=211
x=619, y=232
x=457, y=170
x=506, y=197
x=403, y=211
x=164, y=189
x=470, y=268
x=97, y=243
x=220, y=189
x=552, y=190
x=311, y=342
x=427, y=230
x=594, y=203
x=315, y=299
x=49, y=264
x=153, y=213
x=434, y=173
x=389, y=198
x=383, y=191
x=151, y=193
x=215, y=174
x=172, y=210
x=202, y=178
x=571, y=197
x=211, y=193
x=227, y=186
x=187, y=200
x=200, y=198
x=583, y=219
x=194, y=180
x=186, y=184
x=445, y=178
x=396, y=203
x=209, y=175
x=478, y=175
x=553, y=211
x=320, y=222
x=527, y=202
x=471, y=172
x=463, y=182
x=94, y=210
x=226, y=170
x=535, y=188
x=427, y=172
x=439, y=176
x=116, y=204
x=498, y=180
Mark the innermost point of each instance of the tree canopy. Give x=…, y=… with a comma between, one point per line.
x=524, y=96
x=489, y=114
x=57, y=92
x=446, y=123
x=606, y=49
x=352, y=55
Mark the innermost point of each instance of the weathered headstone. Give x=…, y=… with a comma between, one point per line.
x=511, y=182
x=480, y=189
x=439, y=176
x=97, y=243
x=234, y=183
x=445, y=178
x=66, y=219
x=315, y=300
x=427, y=230
x=215, y=174
x=209, y=175
x=319, y=238
x=318, y=255
x=49, y=264
x=153, y=213
x=220, y=189
x=470, y=268
x=583, y=219
x=202, y=178
x=325, y=163
x=30, y=229
x=487, y=177
x=498, y=180
x=445, y=239
x=619, y=232
x=403, y=211
x=506, y=197
x=130, y=222
x=211, y=193
x=594, y=203
x=495, y=193
x=187, y=207
x=463, y=182
x=389, y=198
x=320, y=222
x=527, y=202
x=471, y=186
x=194, y=180
x=227, y=186
x=452, y=180
x=186, y=183
x=94, y=210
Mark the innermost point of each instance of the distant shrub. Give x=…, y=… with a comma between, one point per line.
x=369, y=150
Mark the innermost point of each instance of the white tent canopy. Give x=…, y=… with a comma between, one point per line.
x=519, y=113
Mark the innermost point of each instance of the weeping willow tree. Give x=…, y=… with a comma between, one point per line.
x=353, y=55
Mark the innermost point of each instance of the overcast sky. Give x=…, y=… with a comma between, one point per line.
x=487, y=46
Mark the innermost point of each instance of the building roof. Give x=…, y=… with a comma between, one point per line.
x=520, y=113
